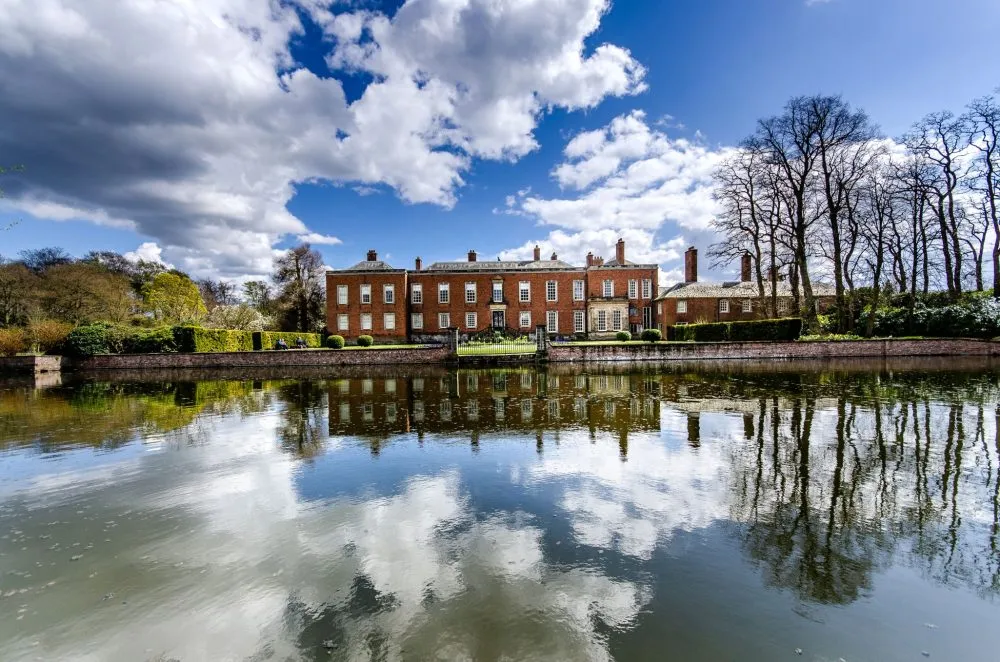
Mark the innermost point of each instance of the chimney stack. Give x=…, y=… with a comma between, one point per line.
x=372, y=256
x=620, y=251
x=746, y=266
x=691, y=265
x=418, y=264
x=538, y=253
x=554, y=257
x=590, y=258
x=472, y=256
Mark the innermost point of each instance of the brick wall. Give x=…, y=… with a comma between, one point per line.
x=772, y=350
x=377, y=308
x=268, y=359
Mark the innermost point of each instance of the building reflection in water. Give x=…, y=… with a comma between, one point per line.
x=474, y=404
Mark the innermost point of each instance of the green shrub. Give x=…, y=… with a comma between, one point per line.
x=196, y=339
x=971, y=317
x=623, y=336
x=267, y=339
x=335, y=342
x=365, y=341
x=93, y=339
x=160, y=340
x=778, y=329
x=651, y=335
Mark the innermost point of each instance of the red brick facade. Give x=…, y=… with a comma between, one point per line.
x=577, y=291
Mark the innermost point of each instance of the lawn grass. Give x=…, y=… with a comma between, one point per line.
x=503, y=349
x=602, y=343
x=396, y=346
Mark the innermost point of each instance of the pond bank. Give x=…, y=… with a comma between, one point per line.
x=750, y=352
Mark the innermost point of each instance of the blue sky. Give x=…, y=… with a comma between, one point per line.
x=685, y=81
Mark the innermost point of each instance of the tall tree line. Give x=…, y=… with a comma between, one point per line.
x=818, y=191
x=105, y=286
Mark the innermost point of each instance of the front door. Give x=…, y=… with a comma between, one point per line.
x=498, y=319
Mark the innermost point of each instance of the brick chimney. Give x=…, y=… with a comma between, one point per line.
x=538, y=253
x=746, y=266
x=691, y=265
x=418, y=264
x=620, y=251
x=372, y=256
x=472, y=256
x=590, y=258
x=554, y=257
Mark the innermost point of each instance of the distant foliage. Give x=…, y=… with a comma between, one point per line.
x=94, y=339
x=365, y=341
x=623, y=336
x=240, y=316
x=335, y=342
x=173, y=297
x=13, y=341
x=777, y=329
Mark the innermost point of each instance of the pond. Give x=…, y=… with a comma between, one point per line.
x=791, y=511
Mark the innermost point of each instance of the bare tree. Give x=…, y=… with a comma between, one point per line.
x=299, y=274
x=983, y=119
x=939, y=139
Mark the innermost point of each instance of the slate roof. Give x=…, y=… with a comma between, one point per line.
x=736, y=289
x=371, y=265
x=509, y=265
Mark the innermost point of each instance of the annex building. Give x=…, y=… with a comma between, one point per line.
x=694, y=301
x=595, y=300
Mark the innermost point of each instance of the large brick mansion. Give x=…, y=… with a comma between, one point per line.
x=595, y=300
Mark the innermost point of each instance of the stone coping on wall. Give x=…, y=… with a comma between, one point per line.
x=757, y=351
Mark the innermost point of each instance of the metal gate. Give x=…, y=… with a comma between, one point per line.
x=498, y=342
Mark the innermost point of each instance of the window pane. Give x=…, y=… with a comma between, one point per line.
x=417, y=293
x=525, y=319
x=552, y=321
x=470, y=320
x=470, y=292
x=682, y=306
x=366, y=322
x=342, y=295
x=366, y=294
x=524, y=291
x=389, y=321
x=444, y=320
x=342, y=322
x=633, y=290
x=578, y=321
x=417, y=320
x=443, y=293
x=550, y=290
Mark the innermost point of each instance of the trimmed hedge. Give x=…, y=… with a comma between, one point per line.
x=365, y=341
x=975, y=317
x=335, y=342
x=266, y=339
x=789, y=328
x=160, y=340
x=623, y=336
x=196, y=339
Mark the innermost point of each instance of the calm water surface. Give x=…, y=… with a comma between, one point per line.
x=849, y=511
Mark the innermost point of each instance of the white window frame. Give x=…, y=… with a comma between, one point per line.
x=417, y=320
x=343, y=322
x=470, y=292
x=416, y=293
x=389, y=293
x=633, y=289
x=444, y=321
x=341, y=295
x=444, y=293
x=366, y=294
x=647, y=288
x=602, y=321
x=551, y=290
x=524, y=292
x=608, y=288
x=723, y=305
x=497, y=292
x=616, y=320
x=578, y=290
x=552, y=321
x=659, y=309
x=579, y=321
x=748, y=305
x=682, y=306
x=389, y=321
x=366, y=321
x=524, y=319
x=471, y=320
